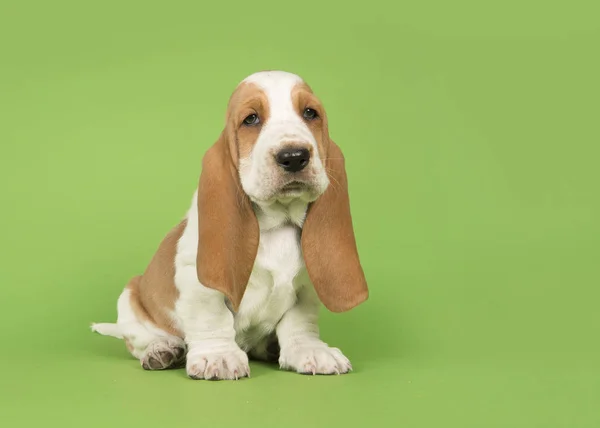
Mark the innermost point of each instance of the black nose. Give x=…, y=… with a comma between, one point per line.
x=293, y=159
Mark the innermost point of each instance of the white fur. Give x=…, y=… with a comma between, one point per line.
x=279, y=296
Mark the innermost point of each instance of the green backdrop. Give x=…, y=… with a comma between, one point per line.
x=471, y=130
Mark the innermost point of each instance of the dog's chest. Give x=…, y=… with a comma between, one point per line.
x=272, y=288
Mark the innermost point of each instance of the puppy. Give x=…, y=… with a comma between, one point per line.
x=267, y=239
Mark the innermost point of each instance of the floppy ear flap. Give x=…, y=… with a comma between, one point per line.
x=328, y=242
x=228, y=231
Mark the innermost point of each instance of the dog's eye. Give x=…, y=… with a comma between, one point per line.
x=310, y=114
x=251, y=120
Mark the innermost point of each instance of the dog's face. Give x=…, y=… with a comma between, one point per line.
x=275, y=148
x=280, y=127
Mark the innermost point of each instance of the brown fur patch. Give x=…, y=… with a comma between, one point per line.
x=227, y=226
x=247, y=99
x=328, y=241
x=153, y=294
x=302, y=98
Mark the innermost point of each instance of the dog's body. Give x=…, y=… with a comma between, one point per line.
x=267, y=238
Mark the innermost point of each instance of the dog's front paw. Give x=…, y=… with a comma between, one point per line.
x=231, y=365
x=314, y=359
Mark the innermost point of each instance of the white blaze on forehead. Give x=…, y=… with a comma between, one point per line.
x=277, y=86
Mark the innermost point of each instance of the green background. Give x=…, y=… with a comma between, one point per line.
x=471, y=130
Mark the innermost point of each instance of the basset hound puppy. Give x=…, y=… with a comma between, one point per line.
x=267, y=239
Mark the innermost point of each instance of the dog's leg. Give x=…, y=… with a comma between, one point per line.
x=209, y=331
x=155, y=348
x=301, y=348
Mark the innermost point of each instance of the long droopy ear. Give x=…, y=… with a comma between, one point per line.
x=228, y=230
x=328, y=242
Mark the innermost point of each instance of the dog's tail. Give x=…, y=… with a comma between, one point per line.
x=108, y=329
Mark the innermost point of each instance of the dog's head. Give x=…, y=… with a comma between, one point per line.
x=275, y=148
x=282, y=138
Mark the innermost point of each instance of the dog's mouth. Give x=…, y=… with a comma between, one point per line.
x=295, y=189
x=294, y=186
x=292, y=190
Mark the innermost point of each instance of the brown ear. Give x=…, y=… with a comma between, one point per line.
x=328, y=242
x=227, y=226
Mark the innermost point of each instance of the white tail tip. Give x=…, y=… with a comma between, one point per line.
x=107, y=329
